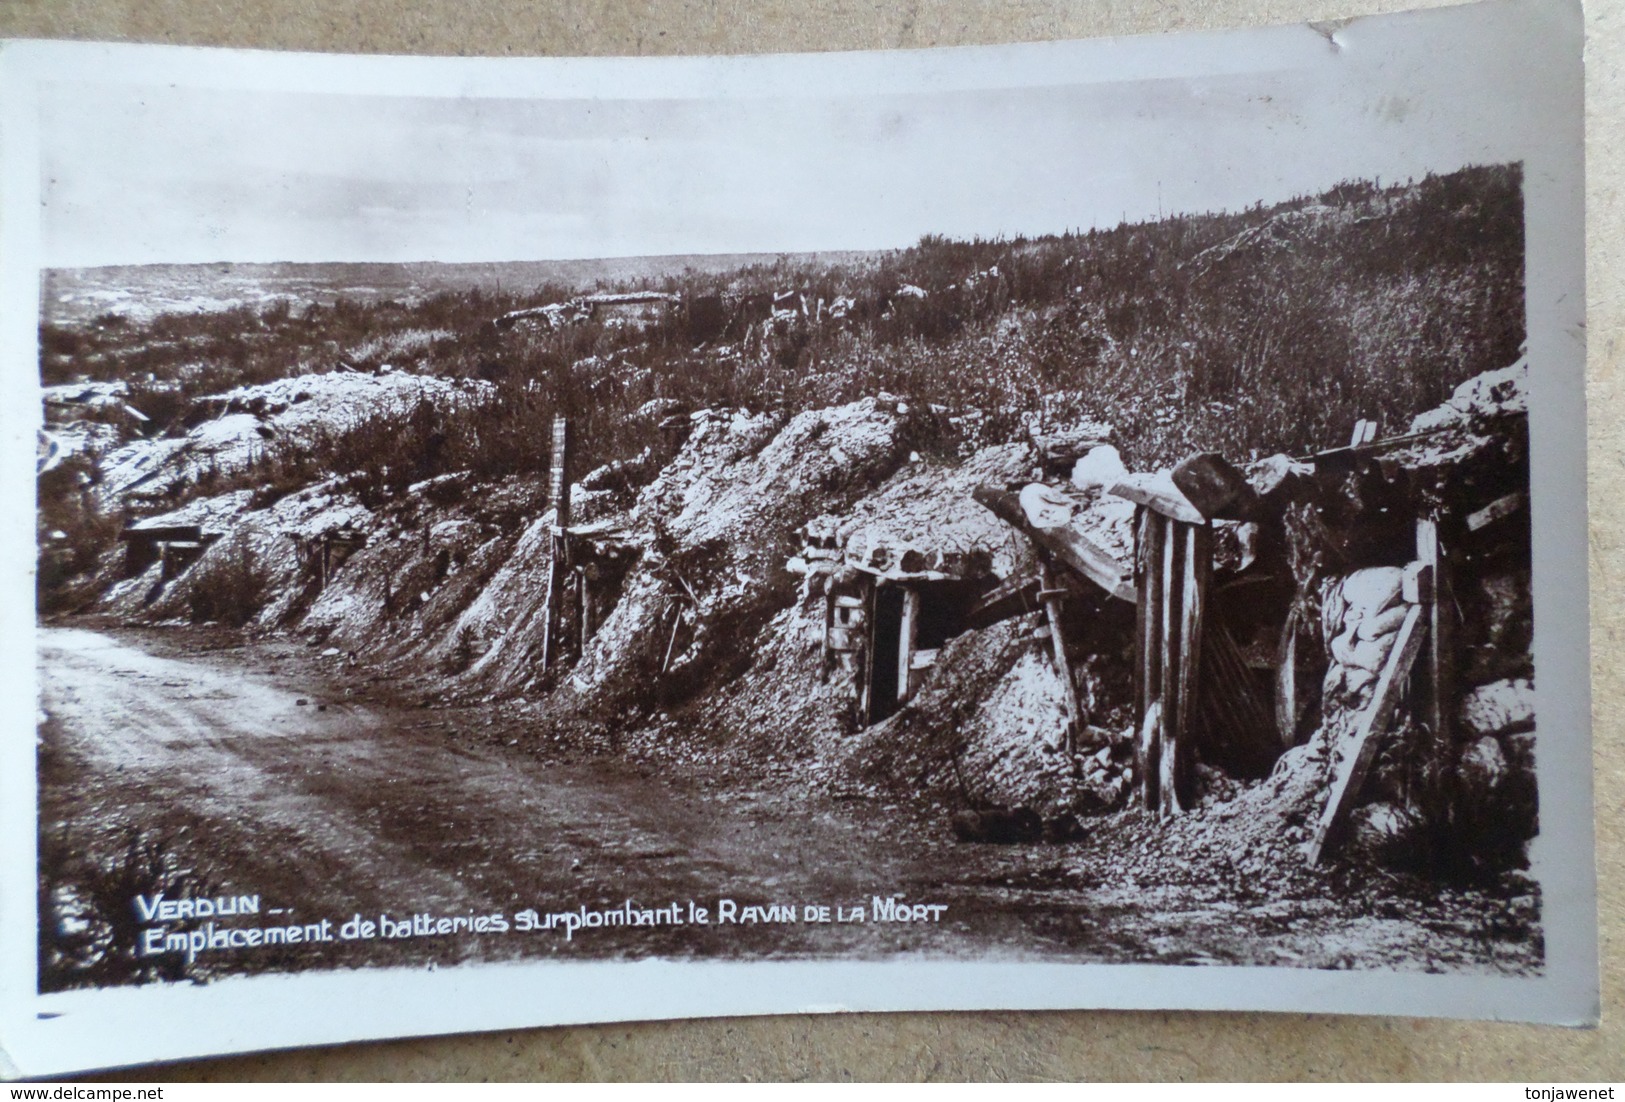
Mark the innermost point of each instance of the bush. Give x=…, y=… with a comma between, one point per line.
x=230, y=586
x=1268, y=329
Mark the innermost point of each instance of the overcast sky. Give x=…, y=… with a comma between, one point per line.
x=136, y=171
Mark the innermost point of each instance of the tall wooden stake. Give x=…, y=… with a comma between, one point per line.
x=559, y=493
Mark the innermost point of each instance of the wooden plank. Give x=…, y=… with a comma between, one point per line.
x=1416, y=587
x=584, y=594
x=558, y=489
x=1439, y=687
x=826, y=652
x=1287, y=702
x=1192, y=568
x=1170, y=581
x=1148, y=644
x=1070, y=547
x=1063, y=667
x=866, y=655
x=908, y=630
x=1494, y=511
x=1011, y=597
x=1344, y=458
x=1165, y=499
x=1368, y=735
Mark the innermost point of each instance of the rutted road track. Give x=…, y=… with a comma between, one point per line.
x=357, y=802
x=332, y=809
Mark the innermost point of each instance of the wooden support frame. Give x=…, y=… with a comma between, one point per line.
x=1162, y=497
x=1175, y=560
x=1368, y=735
x=1011, y=597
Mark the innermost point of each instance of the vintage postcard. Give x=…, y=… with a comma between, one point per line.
x=1090, y=524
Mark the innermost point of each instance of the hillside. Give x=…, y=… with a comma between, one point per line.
x=824, y=526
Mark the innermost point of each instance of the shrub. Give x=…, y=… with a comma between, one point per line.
x=230, y=586
x=1267, y=329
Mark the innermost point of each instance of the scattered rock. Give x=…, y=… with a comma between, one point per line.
x=1385, y=834
x=999, y=826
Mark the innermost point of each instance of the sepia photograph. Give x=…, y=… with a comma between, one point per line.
x=917, y=511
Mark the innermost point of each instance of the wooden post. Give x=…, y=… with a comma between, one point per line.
x=1494, y=511
x=1286, y=683
x=559, y=492
x=866, y=656
x=1148, y=630
x=584, y=596
x=908, y=631
x=1439, y=687
x=1051, y=594
x=1170, y=582
x=1174, y=559
x=1070, y=547
x=1194, y=573
x=1368, y=736
x=826, y=653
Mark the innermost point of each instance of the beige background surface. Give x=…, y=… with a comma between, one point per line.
x=1081, y=1045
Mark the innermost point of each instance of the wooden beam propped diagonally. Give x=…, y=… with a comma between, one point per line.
x=1070, y=547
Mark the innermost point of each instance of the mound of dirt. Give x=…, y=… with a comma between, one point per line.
x=229, y=431
x=717, y=527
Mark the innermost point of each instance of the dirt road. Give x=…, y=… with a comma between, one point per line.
x=275, y=771
x=327, y=809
